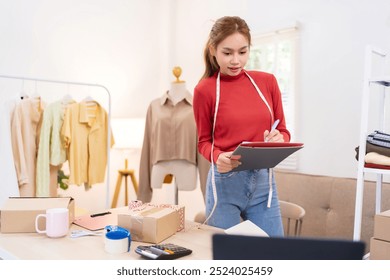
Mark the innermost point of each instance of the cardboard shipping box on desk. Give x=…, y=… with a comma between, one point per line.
x=18, y=213
x=380, y=242
x=152, y=223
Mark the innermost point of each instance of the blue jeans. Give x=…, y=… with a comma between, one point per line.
x=244, y=195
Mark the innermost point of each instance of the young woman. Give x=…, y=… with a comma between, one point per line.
x=232, y=105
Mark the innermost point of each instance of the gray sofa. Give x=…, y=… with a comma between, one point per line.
x=329, y=203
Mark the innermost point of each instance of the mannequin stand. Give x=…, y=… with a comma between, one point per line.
x=168, y=180
x=124, y=173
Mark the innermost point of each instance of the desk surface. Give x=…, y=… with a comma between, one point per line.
x=34, y=246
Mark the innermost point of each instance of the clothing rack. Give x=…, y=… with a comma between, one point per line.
x=109, y=117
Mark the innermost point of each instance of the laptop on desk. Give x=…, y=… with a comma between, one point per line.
x=241, y=247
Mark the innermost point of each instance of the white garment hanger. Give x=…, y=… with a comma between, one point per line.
x=67, y=98
x=23, y=94
x=89, y=101
x=66, y=101
x=91, y=105
x=36, y=94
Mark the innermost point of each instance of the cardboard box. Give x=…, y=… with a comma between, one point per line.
x=178, y=208
x=382, y=226
x=379, y=249
x=151, y=223
x=18, y=213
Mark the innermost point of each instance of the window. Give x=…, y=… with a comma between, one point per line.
x=275, y=52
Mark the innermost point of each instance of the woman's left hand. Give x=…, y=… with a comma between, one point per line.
x=273, y=136
x=226, y=162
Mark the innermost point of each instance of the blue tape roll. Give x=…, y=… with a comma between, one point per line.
x=117, y=233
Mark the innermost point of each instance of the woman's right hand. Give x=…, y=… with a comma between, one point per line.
x=226, y=162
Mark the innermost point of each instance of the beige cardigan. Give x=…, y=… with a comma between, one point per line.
x=25, y=130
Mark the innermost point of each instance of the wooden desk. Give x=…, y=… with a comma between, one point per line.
x=34, y=246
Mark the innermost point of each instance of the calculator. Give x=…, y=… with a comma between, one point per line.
x=167, y=251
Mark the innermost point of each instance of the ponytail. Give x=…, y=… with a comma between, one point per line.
x=210, y=62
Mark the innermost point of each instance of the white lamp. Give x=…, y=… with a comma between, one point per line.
x=128, y=134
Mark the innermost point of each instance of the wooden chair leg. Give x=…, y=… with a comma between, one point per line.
x=124, y=173
x=126, y=192
x=135, y=184
x=117, y=189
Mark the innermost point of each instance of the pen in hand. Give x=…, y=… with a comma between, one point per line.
x=274, y=126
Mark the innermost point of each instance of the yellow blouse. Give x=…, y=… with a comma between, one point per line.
x=84, y=133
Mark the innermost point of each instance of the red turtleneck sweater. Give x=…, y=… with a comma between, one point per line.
x=242, y=115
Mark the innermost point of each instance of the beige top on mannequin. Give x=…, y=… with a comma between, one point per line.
x=178, y=89
x=184, y=171
x=170, y=147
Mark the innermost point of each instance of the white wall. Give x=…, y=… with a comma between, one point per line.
x=125, y=45
x=121, y=44
x=131, y=46
x=333, y=35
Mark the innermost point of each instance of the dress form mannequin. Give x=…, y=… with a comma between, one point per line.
x=178, y=89
x=184, y=172
x=177, y=92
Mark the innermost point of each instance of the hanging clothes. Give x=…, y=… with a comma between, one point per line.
x=51, y=151
x=9, y=183
x=25, y=131
x=84, y=133
x=170, y=134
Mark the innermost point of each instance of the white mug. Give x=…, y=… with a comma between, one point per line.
x=117, y=240
x=57, y=222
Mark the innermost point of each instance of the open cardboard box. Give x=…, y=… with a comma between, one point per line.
x=18, y=213
x=152, y=224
